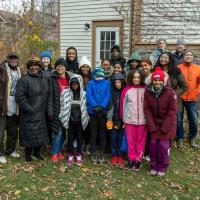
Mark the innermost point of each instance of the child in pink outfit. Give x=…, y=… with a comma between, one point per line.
x=132, y=113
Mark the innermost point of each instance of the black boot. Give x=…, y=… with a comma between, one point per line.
x=36, y=153
x=28, y=152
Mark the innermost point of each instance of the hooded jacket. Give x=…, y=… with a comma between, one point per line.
x=133, y=56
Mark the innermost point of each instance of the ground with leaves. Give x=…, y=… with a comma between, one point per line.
x=44, y=180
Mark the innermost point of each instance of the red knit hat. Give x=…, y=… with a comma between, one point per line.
x=158, y=73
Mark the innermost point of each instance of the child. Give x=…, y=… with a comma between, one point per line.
x=146, y=65
x=113, y=119
x=133, y=62
x=160, y=107
x=117, y=68
x=45, y=57
x=131, y=111
x=74, y=116
x=72, y=60
x=98, y=96
x=108, y=69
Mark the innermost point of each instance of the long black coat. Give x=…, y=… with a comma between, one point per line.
x=32, y=94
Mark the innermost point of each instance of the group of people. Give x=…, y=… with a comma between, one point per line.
x=76, y=107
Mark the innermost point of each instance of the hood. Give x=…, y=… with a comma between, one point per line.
x=115, y=46
x=85, y=61
x=78, y=78
x=134, y=56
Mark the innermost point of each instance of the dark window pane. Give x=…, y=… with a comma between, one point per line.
x=112, y=43
x=102, y=45
x=107, y=45
x=107, y=54
x=102, y=35
x=113, y=35
x=101, y=54
x=107, y=35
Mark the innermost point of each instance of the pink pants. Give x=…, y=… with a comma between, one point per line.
x=136, y=139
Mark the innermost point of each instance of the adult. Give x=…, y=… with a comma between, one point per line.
x=32, y=94
x=45, y=58
x=72, y=60
x=191, y=72
x=161, y=46
x=180, y=49
x=9, y=75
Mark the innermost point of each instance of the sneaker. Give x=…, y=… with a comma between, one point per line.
x=94, y=159
x=147, y=158
x=60, y=156
x=38, y=156
x=137, y=166
x=114, y=160
x=120, y=160
x=54, y=158
x=3, y=159
x=70, y=160
x=79, y=160
x=161, y=173
x=153, y=172
x=14, y=154
x=101, y=158
x=193, y=143
x=130, y=164
x=180, y=143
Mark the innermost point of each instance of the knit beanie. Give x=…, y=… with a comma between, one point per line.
x=158, y=73
x=61, y=61
x=115, y=46
x=98, y=72
x=46, y=54
x=180, y=41
x=84, y=61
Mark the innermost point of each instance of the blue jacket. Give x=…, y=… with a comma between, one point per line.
x=98, y=94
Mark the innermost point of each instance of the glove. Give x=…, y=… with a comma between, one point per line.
x=109, y=124
x=98, y=110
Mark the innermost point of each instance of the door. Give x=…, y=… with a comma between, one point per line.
x=106, y=37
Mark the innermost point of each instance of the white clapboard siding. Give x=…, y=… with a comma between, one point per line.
x=170, y=19
x=73, y=16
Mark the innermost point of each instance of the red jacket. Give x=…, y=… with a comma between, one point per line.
x=161, y=113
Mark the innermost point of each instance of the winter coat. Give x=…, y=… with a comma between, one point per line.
x=32, y=93
x=178, y=58
x=133, y=56
x=66, y=101
x=155, y=56
x=191, y=74
x=98, y=94
x=54, y=111
x=161, y=113
x=5, y=87
x=131, y=105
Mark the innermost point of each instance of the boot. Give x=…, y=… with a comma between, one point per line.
x=36, y=153
x=28, y=152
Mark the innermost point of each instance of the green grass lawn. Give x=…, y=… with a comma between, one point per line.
x=44, y=180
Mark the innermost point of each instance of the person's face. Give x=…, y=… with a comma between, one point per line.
x=117, y=68
x=34, y=69
x=164, y=59
x=75, y=86
x=136, y=78
x=106, y=65
x=118, y=84
x=60, y=69
x=46, y=61
x=134, y=64
x=71, y=54
x=146, y=67
x=180, y=47
x=115, y=52
x=85, y=69
x=157, y=83
x=188, y=58
x=162, y=44
x=13, y=61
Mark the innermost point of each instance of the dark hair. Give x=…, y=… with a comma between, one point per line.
x=105, y=59
x=129, y=78
x=76, y=58
x=173, y=70
x=146, y=60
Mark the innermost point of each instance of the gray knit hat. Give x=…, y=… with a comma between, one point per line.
x=180, y=41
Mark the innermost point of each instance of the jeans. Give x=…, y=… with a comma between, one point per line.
x=116, y=140
x=192, y=116
x=57, y=142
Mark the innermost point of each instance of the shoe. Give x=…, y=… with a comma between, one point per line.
x=94, y=159
x=120, y=160
x=153, y=172
x=60, y=156
x=70, y=160
x=147, y=158
x=101, y=158
x=29, y=159
x=3, y=159
x=180, y=143
x=161, y=173
x=130, y=164
x=114, y=160
x=87, y=150
x=54, y=158
x=14, y=154
x=79, y=160
x=137, y=166
x=38, y=156
x=193, y=143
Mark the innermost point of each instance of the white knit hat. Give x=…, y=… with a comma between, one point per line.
x=84, y=61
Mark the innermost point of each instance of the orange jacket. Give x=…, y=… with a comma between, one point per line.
x=192, y=77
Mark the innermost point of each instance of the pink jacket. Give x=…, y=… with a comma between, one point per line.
x=131, y=105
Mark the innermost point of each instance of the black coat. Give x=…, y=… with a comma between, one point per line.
x=32, y=94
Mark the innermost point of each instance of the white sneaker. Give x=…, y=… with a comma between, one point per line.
x=161, y=173
x=14, y=154
x=3, y=159
x=153, y=172
x=147, y=158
